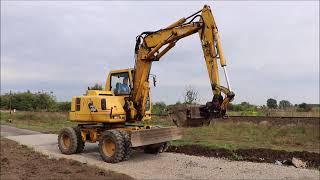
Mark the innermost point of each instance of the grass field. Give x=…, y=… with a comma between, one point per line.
x=228, y=135
x=314, y=113
x=47, y=122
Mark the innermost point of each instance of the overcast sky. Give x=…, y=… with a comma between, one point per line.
x=272, y=48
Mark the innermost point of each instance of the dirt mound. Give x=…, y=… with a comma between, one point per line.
x=20, y=162
x=254, y=155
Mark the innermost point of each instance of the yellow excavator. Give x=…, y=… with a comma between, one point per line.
x=110, y=116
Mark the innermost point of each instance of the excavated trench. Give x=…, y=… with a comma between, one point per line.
x=259, y=154
x=253, y=155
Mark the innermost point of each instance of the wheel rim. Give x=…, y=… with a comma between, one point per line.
x=66, y=141
x=108, y=147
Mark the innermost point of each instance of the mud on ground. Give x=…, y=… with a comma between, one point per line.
x=20, y=162
x=254, y=155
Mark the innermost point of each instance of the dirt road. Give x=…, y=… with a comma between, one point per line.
x=20, y=162
x=169, y=165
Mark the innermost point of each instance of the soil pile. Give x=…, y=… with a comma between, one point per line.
x=20, y=162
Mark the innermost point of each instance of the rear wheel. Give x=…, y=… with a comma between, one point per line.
x=111, y=146
x=67, y=141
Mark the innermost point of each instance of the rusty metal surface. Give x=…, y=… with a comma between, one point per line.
x=156, y=135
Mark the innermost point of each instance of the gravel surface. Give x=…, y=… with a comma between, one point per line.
x=12, y=131
x=179, y=166
x=311, y=159
x=170, y=165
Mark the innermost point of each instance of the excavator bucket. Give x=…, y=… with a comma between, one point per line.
x=188, y=115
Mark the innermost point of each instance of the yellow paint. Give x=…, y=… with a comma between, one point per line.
x=108, y=147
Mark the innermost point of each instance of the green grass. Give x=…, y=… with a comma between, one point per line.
x=246, y=113
x=314, y=113
x=229, y=135
x=232, y=136
x=38, y=121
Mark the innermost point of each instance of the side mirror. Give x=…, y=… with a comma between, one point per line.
x=154, y=80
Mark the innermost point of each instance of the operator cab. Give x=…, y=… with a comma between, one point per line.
x=120, y=82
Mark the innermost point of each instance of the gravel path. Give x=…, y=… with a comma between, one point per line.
x=12, y=131
x=170, y=165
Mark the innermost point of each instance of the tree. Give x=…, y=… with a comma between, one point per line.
x=159, y=108
x=272, y=103
x=304, y=107
x=178, y=103
x=243, y=106
x=190, y=95
x=284, y=104
x=44, y=101
x=96, y=86
x=4, y=101
x=62, y=106
x=28, y=101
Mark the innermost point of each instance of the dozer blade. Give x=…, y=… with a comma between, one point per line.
x=155, y=135
x=188, y=115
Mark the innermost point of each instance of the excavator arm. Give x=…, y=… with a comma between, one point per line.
x=151, y=46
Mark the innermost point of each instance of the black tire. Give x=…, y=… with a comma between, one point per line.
x=127, y=145
x=80, y=142
x=111, y=146
x=156, y=148
x=67, y=141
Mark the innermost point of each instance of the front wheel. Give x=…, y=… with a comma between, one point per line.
x=111, y=146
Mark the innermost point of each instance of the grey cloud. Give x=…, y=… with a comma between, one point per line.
x=272, y=48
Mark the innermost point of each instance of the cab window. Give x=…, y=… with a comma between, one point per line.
x=120, y=83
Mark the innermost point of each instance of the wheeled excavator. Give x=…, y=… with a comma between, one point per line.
x=110, y=116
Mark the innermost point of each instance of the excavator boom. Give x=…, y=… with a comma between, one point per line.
x=151, y=46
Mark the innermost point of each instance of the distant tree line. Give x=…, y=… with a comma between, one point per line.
x=33, y=101
x=44, y=101
x=37, y=101
x=286, y=105
x=273, y=105
x=243, y=106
